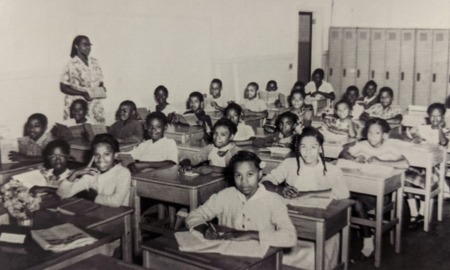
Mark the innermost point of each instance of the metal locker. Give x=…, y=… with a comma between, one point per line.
x=406, y=85
x=348, y=60
x=335, y=58
x=423, y=60
x=362, y=57
x=439, y=66
x=377, y=56
x=392, y=62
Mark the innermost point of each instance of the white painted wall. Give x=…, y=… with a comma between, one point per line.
x=141, y=44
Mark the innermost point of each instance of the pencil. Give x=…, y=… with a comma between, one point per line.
x=91, y=162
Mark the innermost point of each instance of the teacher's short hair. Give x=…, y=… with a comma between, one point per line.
x=76, y=41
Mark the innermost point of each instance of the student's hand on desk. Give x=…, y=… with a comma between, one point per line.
x=373, y=160
x=210, y=234
x=185, y=165
x=16, y=156
x=240, y=235
x=289, y=192
x=203, y=170
x=360, y=159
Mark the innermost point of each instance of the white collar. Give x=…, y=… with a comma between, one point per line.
x=261, y=192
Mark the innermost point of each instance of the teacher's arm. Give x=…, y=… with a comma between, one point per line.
x=68, y=90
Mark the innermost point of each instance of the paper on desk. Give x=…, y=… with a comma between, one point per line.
x=365, y=168
x=31, y=178
x=189, y=242
x=12, y=238
x=310, y=202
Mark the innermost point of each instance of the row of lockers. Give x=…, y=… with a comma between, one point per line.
x=413, y=62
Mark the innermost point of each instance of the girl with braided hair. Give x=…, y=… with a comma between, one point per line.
x=304, y=175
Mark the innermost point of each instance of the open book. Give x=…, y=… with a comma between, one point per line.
x=62, y=237
x=195, y=242
x=268, y=97
x=365, y=168
x=31, y=178
x=69, y=132
x=94, y=129
x=310, y=202
x=97, y=92
x=277, y=151
x=6, y=146
x=283, y=100
x=187, y=119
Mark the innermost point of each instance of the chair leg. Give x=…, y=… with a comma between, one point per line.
x=391, y=233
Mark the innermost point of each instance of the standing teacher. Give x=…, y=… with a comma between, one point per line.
x=81, y=77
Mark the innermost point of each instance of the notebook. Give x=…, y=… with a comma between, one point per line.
x=194, y=242
x=365, y=168
x=277, y=151
x=142, y=114
x=31, y=178
x=310, y=202
x=187, y=119
x=6, y=146
x=94, y=129
x=97, y=92
x=283, y=100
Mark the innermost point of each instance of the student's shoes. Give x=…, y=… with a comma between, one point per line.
x=415, y=222
x=361, y=257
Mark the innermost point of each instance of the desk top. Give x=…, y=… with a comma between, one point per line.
x=315, y=214
x=31, y=256
x=83, y=144
x=18, y=166
x=184, y=129
x=167, y=246
x=171, y=177
x=217, y=115
x=100, y=261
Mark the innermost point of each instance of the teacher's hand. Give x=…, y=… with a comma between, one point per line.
x=87, y=96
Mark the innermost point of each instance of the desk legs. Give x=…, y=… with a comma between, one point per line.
x=427, y=208
x=320, y=245
x=378, y=230
x=137, y=227
x=442, y=184
x=399, y=214
x=126, y=240
x=193, y=199
x=345, y=240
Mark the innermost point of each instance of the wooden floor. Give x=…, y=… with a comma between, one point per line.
x=420, y=250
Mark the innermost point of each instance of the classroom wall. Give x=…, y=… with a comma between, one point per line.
x=391, y=13
x=141, y=44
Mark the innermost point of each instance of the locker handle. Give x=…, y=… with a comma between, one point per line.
x=418, y=77
x=357, y=73
x=434, y=77
x=373, y=74
x=345, y=72
x=403, y=76
x=387, y=75
x=331, y=72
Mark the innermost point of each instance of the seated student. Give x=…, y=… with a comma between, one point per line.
x=195, y=106
x=158, y=151
x=318, y=88
x=377, y=149
x=218, y=153
x=385, y=109
x=253, y=105
x=127, y=129
x=298, y=85
x=369, y=95
x=273, y=98
x=286, y=125
x=218, y=102
x=351, y=96
x=244, y=132
x=248, y=209
x=341, y=122
x=161, y=94
x=56, y=160
x=36, y=138
x=105, y=183
x=78, y=116
x=307, y=174
x=415, y=177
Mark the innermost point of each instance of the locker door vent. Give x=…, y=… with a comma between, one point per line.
x=392, y=36
x=335, y=35
x=439, y=37
x=377, y=36
x=363, y=35
x=348, y=35
x=407, y=36
x=423, y=36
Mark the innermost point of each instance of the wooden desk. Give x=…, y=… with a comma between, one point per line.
x=80, y=149
x=103, y=262
x=320, y=224
x=333, y=149
x=8, y=170
x=255, y=121
x=114, y=221
x=378, y=186
x=427, y=156
x=183, y=133
x=31, y=256
x=169, y=186
x=163, y=253
x=187, y=149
